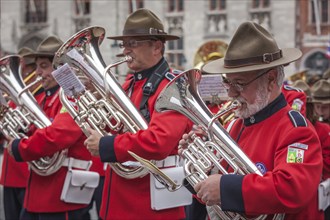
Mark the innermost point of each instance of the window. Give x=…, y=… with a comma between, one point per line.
x=82, y=7
x=135, y=4
x=175, y=5
x=176, y=60
x=260, y=13
x=321, y=9
x=81, y=13
x=217, y=5
x=175, y=48
x=36, y=11
x=216, y=18
x=325, y=8
x=260, y=3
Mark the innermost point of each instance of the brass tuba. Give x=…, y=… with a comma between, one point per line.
x=108, y=107
x=16, y=122
x=181, y=95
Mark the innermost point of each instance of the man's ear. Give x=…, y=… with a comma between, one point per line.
x=159, y=46
x=272, y=79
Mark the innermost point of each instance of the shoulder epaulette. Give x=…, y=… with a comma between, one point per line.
x=291, y=88
x=297, y=119
x=171, y=75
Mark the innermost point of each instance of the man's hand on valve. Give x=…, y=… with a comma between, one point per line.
x=187, y=138
x=92, y=142
x=9, y=145
x=208, y=190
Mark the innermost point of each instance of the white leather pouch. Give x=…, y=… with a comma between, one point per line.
x=162, y=198
x=79, y=186
x=324, y=194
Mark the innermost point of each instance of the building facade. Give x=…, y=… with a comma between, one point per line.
x=27, y=22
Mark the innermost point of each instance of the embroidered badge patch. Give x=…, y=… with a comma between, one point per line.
x=295, y=155
x=63, y=109
x=261, y=167
x=297, y=104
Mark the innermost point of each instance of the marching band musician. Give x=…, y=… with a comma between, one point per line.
x=144, y=40
x=43, y=193
x=321, y=94
x=322, y=129
x=279, y=140
x=14, y=175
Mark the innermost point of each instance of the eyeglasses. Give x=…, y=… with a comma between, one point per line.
x=240, y=86
x=132, y=43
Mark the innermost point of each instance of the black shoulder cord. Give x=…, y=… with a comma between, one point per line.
x=150, y=87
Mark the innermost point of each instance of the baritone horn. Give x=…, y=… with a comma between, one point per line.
x=106, y=106
x=209, y=50
x=181, y=95
x=16, y=122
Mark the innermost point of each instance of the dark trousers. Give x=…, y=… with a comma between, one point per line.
x=68, y=215
x=196, y=211
x=327, y=214
x=97, y=197
x=13, y=199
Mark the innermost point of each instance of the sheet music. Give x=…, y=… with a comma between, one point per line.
x=210, y=86
x=74, y=54
x=68, y=80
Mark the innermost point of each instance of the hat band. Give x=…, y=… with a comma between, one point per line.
x=321, y=98
x=143, y=31
x=264, y=59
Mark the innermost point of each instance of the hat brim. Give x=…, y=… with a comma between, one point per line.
x=163, y=36
x=322, y=101
x=217, y=66
x=39, y=54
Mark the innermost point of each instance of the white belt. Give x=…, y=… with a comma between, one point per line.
x=76, y=163
x=170, y=161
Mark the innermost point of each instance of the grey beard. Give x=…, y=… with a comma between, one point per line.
x=261, y=101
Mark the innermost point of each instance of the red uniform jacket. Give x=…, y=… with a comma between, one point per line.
x=130, y=198
x=15, y=174
x=43, y=192
x=323, y=131
x=286, y=149
x=295, y=97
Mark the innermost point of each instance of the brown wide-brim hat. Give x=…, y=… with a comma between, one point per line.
x=301, y=84
x=144, y=23
x=251, y=48
x=25, y=52
x=321, y=92
x=48, y=47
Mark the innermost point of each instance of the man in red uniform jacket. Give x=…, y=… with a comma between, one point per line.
x=279, y=140
x=143, y=39
x=42, y=197
x=14, y=175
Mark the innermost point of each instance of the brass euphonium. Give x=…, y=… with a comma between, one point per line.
x=182, y=95
x=16, y=122
x=106, y=108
